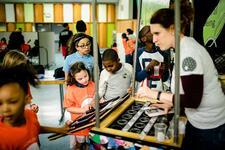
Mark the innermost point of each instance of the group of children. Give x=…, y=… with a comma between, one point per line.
x=115, y=80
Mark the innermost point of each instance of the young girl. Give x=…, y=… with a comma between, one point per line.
x=78, y=99
x=82, y=46
x=19, y=127
x=15, y=58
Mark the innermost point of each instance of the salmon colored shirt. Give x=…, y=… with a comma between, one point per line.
x=129, y=46
x=74, y=97
x=22, y=137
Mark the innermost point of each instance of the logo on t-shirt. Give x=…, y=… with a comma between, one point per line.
x=189, y=64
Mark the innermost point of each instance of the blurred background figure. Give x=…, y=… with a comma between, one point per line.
x=64, y=37
x=129, y=46
x=3, y=48
x=114, y=47
x=16, y=39
x=3, y=44
x=35, y=51
x=130, y=34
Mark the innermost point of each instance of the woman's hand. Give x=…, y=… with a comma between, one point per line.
x=164, y=104
x=145, y=91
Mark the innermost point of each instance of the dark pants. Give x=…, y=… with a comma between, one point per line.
x=207, y=139
x=129, y=59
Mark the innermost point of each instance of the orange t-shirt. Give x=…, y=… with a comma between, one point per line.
x=129, y=46
x=22, y=137
x=74, y=97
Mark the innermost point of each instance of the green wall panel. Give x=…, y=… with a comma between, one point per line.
x=20, y=25
x=110, y=28
x=28, y=12
x=91, y=29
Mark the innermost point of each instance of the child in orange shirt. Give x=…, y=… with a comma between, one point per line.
x=19, y=127
x=78, y=99
x=129, y=46
x=14, y=58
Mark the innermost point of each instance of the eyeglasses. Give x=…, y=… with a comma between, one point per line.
x=87, y=45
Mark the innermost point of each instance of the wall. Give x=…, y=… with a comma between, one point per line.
x=125, y=9
x=27, y=16
x=64, y=1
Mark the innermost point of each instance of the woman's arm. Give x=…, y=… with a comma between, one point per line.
x=193, y=91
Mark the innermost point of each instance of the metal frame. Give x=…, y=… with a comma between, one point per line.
x=177, y=71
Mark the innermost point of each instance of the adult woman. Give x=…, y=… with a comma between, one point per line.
x=200, y=91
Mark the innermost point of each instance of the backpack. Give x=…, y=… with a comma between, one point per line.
x=59, y=73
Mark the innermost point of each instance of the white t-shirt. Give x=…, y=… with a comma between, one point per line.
x=117, y=84
x=195, y=60
x=144, y=60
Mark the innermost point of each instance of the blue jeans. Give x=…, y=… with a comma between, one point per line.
x=204, y=139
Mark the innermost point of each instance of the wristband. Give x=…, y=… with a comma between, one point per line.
x=158, y=96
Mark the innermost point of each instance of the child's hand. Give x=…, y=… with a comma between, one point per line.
x=34, y=108
x=86, y=108
x=68, y=122
x=129, y=90
x=92, y=103
x=102, y=100
x=64, y=129
x=152, y=64
x=145, y=91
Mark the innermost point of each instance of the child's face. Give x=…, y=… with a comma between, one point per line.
x=83, y=46
x=82, y=77
x=12, y=102
x=111, y=66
